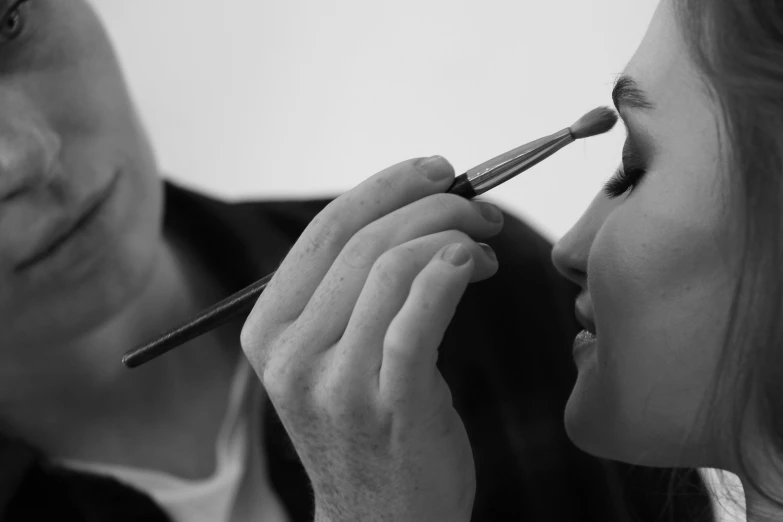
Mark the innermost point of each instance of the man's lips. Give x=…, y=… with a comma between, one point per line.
x=5, y=198
x=67, y=229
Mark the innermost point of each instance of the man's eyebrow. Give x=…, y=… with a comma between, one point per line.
x=627, y=92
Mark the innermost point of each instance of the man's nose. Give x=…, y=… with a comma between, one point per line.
x=29, y=148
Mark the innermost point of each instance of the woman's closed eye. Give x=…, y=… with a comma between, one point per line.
x=627, y=176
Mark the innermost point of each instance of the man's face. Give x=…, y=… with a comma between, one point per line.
x=80, y=199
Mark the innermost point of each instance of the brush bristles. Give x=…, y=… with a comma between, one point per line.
x=597, y=121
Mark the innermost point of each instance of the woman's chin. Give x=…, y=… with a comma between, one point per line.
x=592, y=424
x=599, y=433
x=582, y=426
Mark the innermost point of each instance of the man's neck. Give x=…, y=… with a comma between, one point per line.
x=50, y=401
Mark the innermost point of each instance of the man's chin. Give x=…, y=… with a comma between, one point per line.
x=61, y=303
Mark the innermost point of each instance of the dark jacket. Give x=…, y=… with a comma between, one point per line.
x=506, y=357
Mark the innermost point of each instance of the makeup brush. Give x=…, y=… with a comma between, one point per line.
x=472, y=183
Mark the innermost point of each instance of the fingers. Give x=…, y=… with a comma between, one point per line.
x=384, y=293
x=410, y=347
x=314, y=252
x=329, y=310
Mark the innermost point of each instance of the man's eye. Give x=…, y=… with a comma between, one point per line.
x=12, y=24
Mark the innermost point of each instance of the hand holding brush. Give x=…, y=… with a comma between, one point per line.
x=472, y=183
x=345, y=335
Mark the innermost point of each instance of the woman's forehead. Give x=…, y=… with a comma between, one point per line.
x=662, y=67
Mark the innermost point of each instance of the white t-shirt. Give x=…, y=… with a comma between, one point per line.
x=238, y=491
x=728, y=499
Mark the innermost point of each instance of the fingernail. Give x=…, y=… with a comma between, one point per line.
x=435, y=168
x=490, y=212
x=488, y=250
x=456, y=254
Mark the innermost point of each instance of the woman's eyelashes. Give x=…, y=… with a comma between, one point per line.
x=622, y=180
x=627, y=176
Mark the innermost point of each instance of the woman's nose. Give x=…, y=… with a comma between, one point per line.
x=569, y=261
x=570, y=253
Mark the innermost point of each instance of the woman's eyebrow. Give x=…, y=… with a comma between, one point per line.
x=628, y=93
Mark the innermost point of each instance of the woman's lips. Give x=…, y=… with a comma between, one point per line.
x=69, y=229
x=584, y=319
x=584, y=341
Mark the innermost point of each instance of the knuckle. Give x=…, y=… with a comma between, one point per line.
x=359, y=252
x=391, y=265
x=284, y=377
x=248, y=340
x=457, y=236
x=253, y=341
x=448, y=202
x=257, y=340
x=273, y=378
x=402, y=346
x=466, y=211
x=345, y=402
x=322, y=233
x=488, y=212
x=285, y=388
x=383, y=184
x=248, y=337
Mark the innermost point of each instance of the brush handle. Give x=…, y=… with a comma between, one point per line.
x=462, y=187
x=232, y=306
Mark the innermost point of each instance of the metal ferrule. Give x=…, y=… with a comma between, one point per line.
x=501, y=168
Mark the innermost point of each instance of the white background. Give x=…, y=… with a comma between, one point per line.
x=306, y=98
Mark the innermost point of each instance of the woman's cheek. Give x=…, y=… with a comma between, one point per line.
x=657, y=290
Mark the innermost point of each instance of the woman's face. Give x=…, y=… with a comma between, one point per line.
x=655, y=267
x=70, y=141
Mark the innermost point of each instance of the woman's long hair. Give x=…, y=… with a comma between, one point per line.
x=737, y=47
